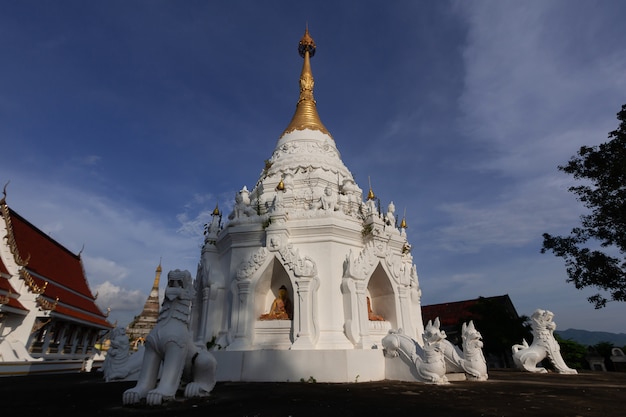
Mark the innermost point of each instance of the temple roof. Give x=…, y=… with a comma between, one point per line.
x=451, y=314
x=56, y=270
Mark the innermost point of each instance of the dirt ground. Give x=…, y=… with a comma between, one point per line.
x=506, y=393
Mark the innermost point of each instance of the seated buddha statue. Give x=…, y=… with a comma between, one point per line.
x=370, y=313
x=281, y=309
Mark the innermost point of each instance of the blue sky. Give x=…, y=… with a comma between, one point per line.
x=123, y=123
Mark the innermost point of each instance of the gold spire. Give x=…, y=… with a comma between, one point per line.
x=216, y=210
x=370, y=194
x=403, y=222
x=306, y=116
x=157, y=277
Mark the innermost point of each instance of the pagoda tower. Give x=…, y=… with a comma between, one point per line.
x=305, y=278
x=139, y=328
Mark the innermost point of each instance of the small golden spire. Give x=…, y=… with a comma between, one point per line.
x=370, y=194
x=403, y=222
x=280, y=186
x=306, y=116
x=216, y=211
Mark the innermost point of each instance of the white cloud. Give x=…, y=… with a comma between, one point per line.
x=118, y=298
x=101, y=267
x=121, y=304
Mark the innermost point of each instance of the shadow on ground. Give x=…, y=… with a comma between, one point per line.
x=506, y=393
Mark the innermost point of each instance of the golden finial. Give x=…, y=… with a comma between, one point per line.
x=216, y=211
x=280, y=186
x=403, y=222
x=159, y=269
x=4, y=192
x=306, y=116
x=370, y=194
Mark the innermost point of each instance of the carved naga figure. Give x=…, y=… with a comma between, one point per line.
x=439, y=356
x=169, y=346
x=429, y=363
x=544, y=345
x=474, y=363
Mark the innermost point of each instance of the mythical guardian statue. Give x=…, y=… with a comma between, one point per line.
x=169, y=346
x=544, y=345
x=119, y=364
x=471, y=360
x=428, y=362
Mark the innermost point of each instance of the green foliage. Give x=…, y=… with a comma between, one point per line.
x=604, y=349
x=311, y=380
x=602, y=169
x=573, y=353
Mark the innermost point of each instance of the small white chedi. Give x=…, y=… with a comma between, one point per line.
x=304, y=278
x=544, y=345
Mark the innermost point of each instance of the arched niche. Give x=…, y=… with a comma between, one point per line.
x=272, y=278
x=382, y=296
x=272, y=333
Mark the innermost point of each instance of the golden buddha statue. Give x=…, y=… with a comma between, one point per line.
x=281, y=309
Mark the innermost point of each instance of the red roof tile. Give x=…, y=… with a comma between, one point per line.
x=49, y=261
x=3, y=268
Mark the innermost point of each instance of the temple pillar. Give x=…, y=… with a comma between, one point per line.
x=305, y=313
x=363, y=316
x=242, y=326
x=404, y=301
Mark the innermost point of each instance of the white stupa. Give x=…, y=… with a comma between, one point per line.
x=344, y=264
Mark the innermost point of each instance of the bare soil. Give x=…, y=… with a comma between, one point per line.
x=506, y=393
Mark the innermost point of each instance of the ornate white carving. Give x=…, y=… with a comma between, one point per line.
x=301, y=266
x=544, y=345
x=242, y=205
x=254, y=262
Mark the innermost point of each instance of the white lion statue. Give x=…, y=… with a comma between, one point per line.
x=169, y=346
x=544, y=345
x=119, y=364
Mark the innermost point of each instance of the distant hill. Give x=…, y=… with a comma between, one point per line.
x=588, y=338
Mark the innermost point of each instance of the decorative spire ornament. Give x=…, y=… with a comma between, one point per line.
x=370, y=194
x=306, y=116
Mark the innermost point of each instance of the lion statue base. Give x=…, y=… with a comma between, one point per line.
x=170, y=348
x=544, y=345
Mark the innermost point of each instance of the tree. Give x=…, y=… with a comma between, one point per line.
x=595, y=252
